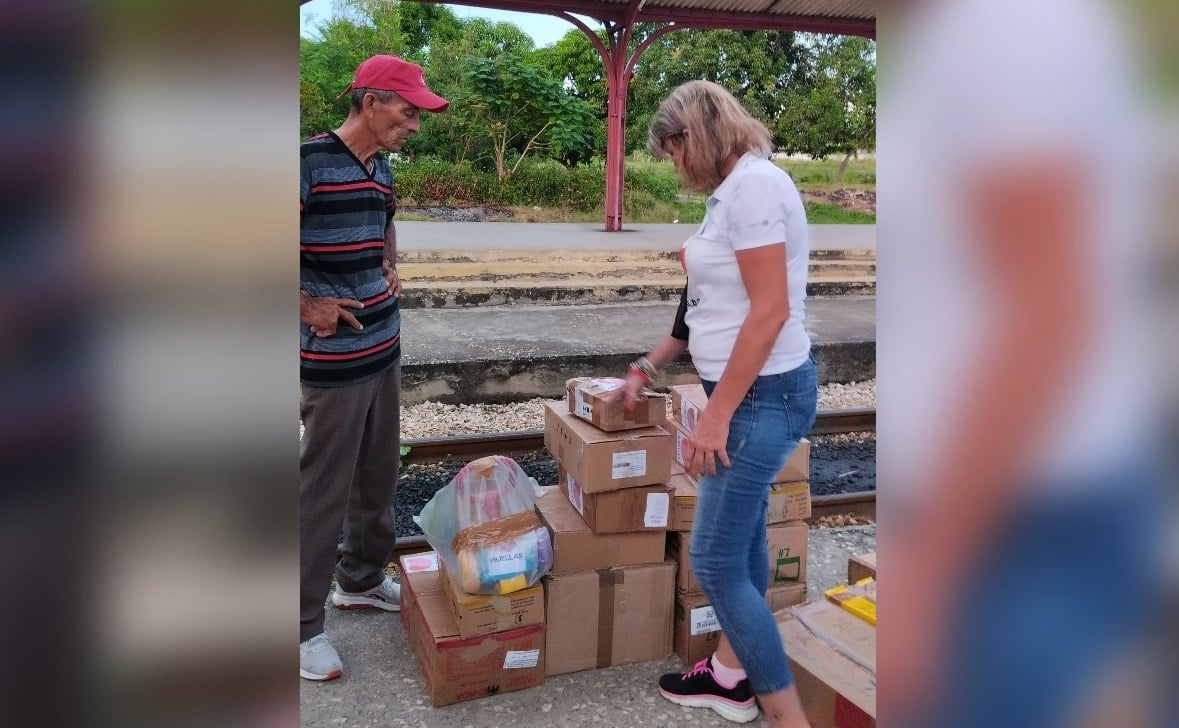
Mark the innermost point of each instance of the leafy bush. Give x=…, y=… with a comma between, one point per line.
x=544, y=183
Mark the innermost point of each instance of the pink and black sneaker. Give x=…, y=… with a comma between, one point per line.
x=698, y=688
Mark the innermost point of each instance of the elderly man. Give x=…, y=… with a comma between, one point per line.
x=350, y=353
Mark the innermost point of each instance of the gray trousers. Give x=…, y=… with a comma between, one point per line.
x=348, y=478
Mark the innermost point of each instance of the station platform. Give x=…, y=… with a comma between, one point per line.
x=515, y=353
x=412, y=236
x=382, y=685
x=505, y=312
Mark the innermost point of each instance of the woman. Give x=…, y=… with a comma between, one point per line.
x=742, y=320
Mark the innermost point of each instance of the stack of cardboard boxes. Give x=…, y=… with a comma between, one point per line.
x=621, y=587
x=470, y=646
x=609, y=594
x=696, y=628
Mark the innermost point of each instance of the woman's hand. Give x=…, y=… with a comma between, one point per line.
x=708, y=443
x=629, y=392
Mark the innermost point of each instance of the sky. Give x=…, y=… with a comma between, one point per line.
x=544, y=29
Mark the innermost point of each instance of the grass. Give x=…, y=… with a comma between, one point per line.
x=820, y=174
x=815, y=175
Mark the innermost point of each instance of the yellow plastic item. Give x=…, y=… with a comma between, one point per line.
x=512, y=584
x=859, y=600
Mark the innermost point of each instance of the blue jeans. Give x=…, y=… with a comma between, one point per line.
x=728, y=548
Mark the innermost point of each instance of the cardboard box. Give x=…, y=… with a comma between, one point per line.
x=697, y=631
x=619, y=511
x=833, y=657
x=861, y=567
x=787, y=550
x=683, y=501
x=577, y=548
x=456, y=669
x=608, y=617
x=785, y=595
x=786, y=545
x=789, y=502
x=479, y=614
x=602, y=461
x=425, y=567
x=589, y=399
x=688, y=401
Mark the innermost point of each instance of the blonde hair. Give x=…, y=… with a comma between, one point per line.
x=718, y=127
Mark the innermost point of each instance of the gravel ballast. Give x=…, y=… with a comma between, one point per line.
x=433, y=419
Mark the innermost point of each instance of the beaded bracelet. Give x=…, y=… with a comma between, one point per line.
x=644, y=368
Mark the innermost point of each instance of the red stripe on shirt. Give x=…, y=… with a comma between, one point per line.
x=375, y=299
x=348, y=186
x=333, y=248
x=314, y=356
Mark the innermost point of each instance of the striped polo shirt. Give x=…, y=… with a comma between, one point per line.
x=343, y=212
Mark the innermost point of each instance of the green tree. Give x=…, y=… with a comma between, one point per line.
x=521, y=109
x=357, y=29
x=831, y=106
x=755, y=66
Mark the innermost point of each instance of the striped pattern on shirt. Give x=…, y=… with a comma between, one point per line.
x=344, y=210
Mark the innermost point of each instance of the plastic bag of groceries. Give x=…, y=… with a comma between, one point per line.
x=483, y=525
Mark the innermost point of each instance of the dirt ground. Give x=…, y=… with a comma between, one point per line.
x=860, y=200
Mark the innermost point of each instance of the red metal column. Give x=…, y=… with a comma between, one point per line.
x=616, y=84
x=619, y=67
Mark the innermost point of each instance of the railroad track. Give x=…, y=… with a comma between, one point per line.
x=470, y=447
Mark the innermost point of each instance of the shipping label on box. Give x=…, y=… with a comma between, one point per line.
x=619, y=511
x=608, y=617
x=591, y=399
x=479, y=614
x=789, y=502
x=602, y=461
x=577, y=548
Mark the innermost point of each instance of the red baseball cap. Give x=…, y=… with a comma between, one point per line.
x=390, y=73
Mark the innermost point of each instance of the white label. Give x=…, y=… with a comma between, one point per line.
x=583, y=408
x=629, y=464
x=608, y=384
x=521, y=658
x=419, y=563
x=508, y=559
x=656, y=513
x=704, y=621
x=575, y=496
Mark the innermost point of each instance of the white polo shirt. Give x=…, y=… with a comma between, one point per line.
x=756, y=205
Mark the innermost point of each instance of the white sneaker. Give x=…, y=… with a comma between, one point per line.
x=318, y=660
x=386, y=595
